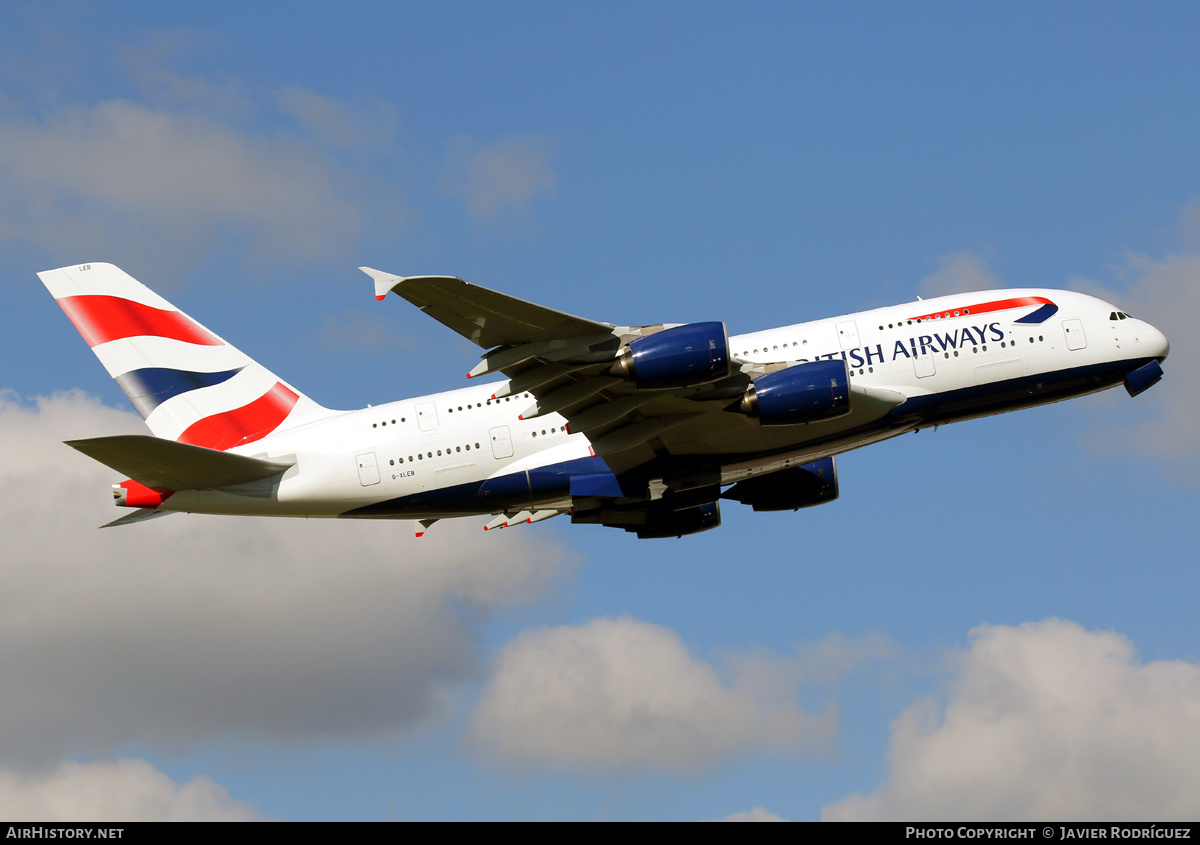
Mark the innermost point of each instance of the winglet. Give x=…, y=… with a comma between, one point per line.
x=384, y=282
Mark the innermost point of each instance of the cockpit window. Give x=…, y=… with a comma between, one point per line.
x=1113, y=316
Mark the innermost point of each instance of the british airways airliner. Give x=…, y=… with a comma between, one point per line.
x=644, y=428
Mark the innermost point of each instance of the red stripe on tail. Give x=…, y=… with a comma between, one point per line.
x=104, y=318
x=245, y=424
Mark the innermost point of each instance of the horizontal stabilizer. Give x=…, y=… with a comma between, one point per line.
x=168, y=465
x=139, y=515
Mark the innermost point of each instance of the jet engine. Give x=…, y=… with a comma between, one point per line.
x=676, y=523
x=805, y=393
x=697, y=353
x=788, y=489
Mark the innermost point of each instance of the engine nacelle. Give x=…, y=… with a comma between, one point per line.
x=672, y=523
x=805, y=393
x=788, y=489
x=697, y=353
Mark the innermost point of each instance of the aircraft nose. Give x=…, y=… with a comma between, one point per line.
x=1157, y=342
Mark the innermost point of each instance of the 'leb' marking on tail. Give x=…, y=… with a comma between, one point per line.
x=103, y=318
x=245, y=424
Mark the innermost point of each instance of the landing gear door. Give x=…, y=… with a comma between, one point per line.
x=1074, y=332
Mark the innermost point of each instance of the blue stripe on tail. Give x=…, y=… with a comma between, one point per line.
x=150, y=387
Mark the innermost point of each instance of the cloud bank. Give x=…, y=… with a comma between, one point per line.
x=625, y=694
x=1045, y=721
x=120, y=791
x=119, y=175
x=203, y=165
x=188, y=629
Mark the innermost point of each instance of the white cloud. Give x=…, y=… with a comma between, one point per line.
x=119, y=791
x=1045, y=721
x=117, y=175
x=1188, y=227
x=147, y=63
x=191, y=628
x=336, y=123
x=203, y=164
x=959, y=272
x=625, y=694
x=502, y=177
x=826, y=661
x=1166, y=292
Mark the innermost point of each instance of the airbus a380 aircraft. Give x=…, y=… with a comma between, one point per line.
x=643, y=428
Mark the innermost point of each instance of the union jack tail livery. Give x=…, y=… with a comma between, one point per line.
x=188, y=384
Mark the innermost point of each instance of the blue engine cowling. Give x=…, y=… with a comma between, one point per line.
x=697, y=353
x=805, y=393
x=788, y=489
x=676, y=523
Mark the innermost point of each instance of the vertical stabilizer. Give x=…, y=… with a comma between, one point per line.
x=187, y=383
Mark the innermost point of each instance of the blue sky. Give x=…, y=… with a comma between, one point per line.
x=995, y=620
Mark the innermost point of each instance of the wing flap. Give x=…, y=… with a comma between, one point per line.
x=169, y=465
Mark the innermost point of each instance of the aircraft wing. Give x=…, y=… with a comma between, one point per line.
x=566, y=363
x=483, y=316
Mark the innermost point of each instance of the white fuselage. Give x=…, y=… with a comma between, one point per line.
x=948, y=367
